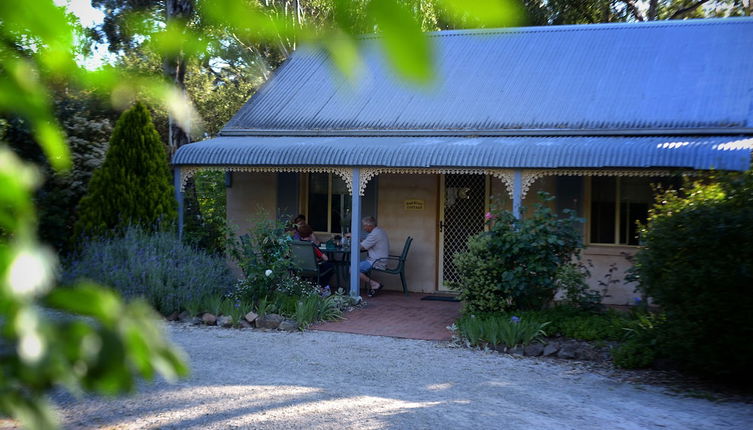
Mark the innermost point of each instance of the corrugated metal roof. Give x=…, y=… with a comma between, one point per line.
x=642, y=76
x=713, y=152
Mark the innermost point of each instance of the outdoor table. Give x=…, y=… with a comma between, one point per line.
x=339, y=256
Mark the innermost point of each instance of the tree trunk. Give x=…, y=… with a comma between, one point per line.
x=653, y=10
x=175, y=69
x=180, y=12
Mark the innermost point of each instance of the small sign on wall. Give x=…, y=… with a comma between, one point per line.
x=414, y=205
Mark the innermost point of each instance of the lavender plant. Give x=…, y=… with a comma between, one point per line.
x=156, y=266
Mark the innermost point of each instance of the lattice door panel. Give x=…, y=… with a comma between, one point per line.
x=464, y=204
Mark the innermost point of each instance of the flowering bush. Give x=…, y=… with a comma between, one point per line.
x=156, y=266
x=263, y=256
x=514, y=265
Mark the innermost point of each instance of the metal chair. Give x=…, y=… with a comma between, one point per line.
x=305, y=259
x=395, y=265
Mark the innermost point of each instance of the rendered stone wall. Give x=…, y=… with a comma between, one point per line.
x=422, y=225
x=604, y=257
x=249, y=193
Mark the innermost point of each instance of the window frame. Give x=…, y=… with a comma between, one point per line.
x=617, y=221
x=304, y=196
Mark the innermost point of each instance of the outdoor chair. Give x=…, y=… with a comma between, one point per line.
x=395, y=265
x=305, y=259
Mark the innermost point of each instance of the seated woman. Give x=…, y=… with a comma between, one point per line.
x=307, y=234
x=299, y=221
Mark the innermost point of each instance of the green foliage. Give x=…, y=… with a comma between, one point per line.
x=697, y=265
x=576, y=323
x=633, y=354
x=119, y=342
x=316, y=308
x=235, y=309
x=263, y=256
x=514, y=265
x=134, y=184
x=154, y=266
x=211, y=233
x=502, y=329
x=306, y=311
x=284, y=304
x=593, y=326
x=640, y=349
x=571, y=279
x=211, y=303
x=86, y=120
x=263, y=307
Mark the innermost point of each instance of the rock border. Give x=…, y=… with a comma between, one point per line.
x=560, y=347
x=250, y=320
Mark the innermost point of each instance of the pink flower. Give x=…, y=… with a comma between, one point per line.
x=488, y=216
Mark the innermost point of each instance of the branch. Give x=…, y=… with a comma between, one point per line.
x=653, y=6
x=254, y=52
x=634, y=9
x=683, y=11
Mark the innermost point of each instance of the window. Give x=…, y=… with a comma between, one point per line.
x=328, y=203
x=617, y=204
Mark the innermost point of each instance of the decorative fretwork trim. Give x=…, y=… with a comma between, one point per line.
x=528, y=176
x=507, y=176
x=346, y=173
x=531, y=176
x=368, y=173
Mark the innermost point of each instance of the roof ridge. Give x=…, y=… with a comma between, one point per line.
x=601, y=26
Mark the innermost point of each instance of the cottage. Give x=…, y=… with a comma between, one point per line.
x=593, y=114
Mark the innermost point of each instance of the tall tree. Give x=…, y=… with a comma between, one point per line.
x=87, y=121
x=178, y=13
x=133, y=185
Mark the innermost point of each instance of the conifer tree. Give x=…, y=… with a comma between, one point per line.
x=134, y=184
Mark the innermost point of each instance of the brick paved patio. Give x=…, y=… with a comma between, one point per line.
x=391, y=313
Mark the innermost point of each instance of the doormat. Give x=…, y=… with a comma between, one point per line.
x=440, y=298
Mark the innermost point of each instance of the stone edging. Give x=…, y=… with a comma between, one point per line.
x=562, y=348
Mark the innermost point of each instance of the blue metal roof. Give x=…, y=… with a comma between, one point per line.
x=711, y=152
x=680, y=76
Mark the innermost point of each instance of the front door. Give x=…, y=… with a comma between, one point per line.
x=463, y=203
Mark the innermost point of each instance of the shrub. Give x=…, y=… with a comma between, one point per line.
x=633, y=354
x=697, y=265
x=133, y=185
x=640, y=350
x=263, y=256
x=207, y=228
x=594, y=326
x=514, y=265
x=156, y=266
x=571, y=280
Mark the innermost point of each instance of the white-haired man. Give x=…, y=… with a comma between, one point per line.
x=377, y=246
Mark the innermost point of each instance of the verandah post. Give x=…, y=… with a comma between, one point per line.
x=517, y=191
x=355, y=235
x=179, y=198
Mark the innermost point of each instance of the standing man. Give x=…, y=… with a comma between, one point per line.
x=377, y=246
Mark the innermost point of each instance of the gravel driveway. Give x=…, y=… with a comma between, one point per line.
x=324, y=380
